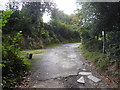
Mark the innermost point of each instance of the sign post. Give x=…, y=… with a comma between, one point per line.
x=103, y=34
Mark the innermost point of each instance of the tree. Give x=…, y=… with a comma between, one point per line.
x=64, y=25
x=97, y=17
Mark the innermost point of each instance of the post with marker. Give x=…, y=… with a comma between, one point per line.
x=103, y=34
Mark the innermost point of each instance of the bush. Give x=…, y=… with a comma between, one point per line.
x=12, y=64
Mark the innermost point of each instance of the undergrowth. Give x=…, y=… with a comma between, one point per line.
x=103, y=63
x=14, y=66
x=100, y=59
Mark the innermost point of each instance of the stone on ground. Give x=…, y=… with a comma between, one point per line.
x=93, y=78
x=81, y=80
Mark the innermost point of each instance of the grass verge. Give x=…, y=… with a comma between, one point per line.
x=100, y=59
x=103, y=65
x=27, y=61
x=57, y=44
x=54, y=45
x=32, y=51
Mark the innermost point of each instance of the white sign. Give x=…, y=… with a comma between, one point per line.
x=103, y=33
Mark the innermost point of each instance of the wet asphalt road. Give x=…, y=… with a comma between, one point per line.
x=58, y=67
x=61, y=61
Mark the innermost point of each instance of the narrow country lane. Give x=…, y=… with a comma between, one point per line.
x=61, y=61
x=58, y=67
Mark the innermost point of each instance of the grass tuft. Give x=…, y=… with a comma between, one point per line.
x=32, y=51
